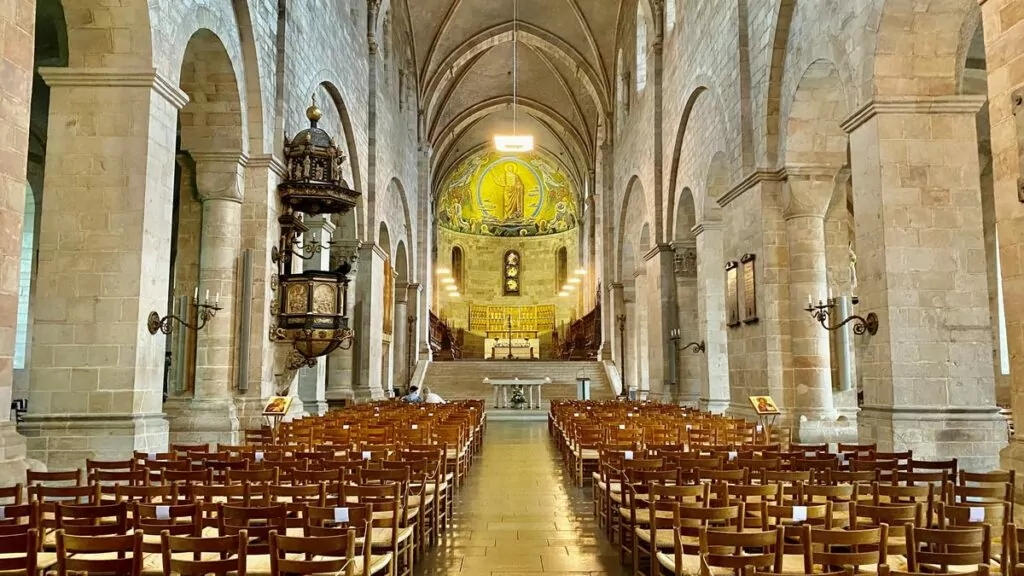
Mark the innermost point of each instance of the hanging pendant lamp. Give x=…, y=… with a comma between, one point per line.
x=515, y=142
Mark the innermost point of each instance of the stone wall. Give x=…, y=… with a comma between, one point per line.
x=483, y=273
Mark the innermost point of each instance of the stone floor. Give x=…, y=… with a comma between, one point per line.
x=519, y=514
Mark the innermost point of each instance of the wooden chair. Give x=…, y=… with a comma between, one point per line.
x=49, y=496
x=199, y=556
x=99, y=554
x=389, y=535
x=899, y=519
x=161, y=493
x=65, y=478
x=931, y=549
x=12, y=495
x=334, y=554
x=657, y=531
x=295, y=499
x=689, y=522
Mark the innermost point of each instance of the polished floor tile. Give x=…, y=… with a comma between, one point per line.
x=520, y=514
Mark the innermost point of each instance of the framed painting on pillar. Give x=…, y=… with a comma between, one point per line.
x=749, y=308
x=732, y=297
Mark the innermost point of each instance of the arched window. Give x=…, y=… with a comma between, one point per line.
x=561, y=268
x=641, y=47
x=513, y=268
x=457, y=266
x=670, y=15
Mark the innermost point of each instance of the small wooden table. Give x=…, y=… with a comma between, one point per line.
x=501, y=388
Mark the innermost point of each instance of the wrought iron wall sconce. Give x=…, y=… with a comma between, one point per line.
x=307, y=251
x=698, y=347
x=204, y=313
x=823, y=311
x=620, y=321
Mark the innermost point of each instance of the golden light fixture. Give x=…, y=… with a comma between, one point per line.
x=455, y=294
x=515, y=142
x=451, y=288
x=581, y=272
x=575, y=280
x=563, y=294
x=447, y=280
x=443, y=271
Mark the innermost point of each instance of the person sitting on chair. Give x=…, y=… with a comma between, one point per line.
x=430, y=397
x=413, y=396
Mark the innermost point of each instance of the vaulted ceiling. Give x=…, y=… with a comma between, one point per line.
x=463, y=52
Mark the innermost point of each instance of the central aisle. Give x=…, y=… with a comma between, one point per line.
x=518, y=514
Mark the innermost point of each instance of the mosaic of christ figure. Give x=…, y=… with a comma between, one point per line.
x=513, y=193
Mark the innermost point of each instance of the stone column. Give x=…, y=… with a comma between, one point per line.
x=714, y=393
x=313, y=380
x=1003, y=36
x=260, y=233
x=413, y=308
x=603, y=183
x=400, y=342
x=688, y=365
x=638, y=331
x=661, y=315
x=16, y=61
x=370, y=331
x=813, y=410
x=212, y=416
x=614, y=345
x=104, y=265
x=424, y=252
x=340, y=363
x=928, y=374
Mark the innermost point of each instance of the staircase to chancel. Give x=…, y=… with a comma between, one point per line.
x=464, y=379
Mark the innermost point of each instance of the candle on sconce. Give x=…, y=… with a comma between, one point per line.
x=207, y=295
x=810, y=301
x=217, y=299
x=195, y=295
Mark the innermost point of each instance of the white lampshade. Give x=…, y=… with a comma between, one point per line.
x=517, y=143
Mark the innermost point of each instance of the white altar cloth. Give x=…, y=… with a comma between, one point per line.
x=501, y=390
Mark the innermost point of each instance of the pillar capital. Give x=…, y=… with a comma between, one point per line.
x=115, y=78
x=270, y=162
x=809, y=189
x=656, y=250
x=968, y=104
x=219, y=175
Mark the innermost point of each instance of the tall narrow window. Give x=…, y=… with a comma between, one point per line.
x=561, y=268
x=641, y=47
x=513, y=274
x=670, y=15
x=457, y=259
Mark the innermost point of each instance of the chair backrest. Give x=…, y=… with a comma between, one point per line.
x=162, y=493
x=327, y=521
x=268, y=475
x=199, y=556
x=65, y=477
x=333, y=554
x=99, y=554
x=19, y=552
x=732, y=550
x=176, y=520
x=20, y=518
x=897, y=517
x=259, y=521
x=930, y=547
x=92, y=519
x=841, y=548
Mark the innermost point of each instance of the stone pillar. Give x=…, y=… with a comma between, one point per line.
x=1003, y=37
x=370, y=311
x=661, y=314
x=260, y=233
x=313, y=380
x=714, y=393
x=614, y=339
x=688, y=365
x=603, y=183
x=424, y=253
x=16, y=61
x=212, y=416
x=341, y=373
x=413, y=309
x=104, y=265
x=400, y=344
x=928, y=374
x=638, y=332
x=813, y=410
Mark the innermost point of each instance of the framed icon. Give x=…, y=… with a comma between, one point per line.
x=277, y=406
x=764, y=405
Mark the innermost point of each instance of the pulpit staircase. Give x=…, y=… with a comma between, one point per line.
x=463, y=379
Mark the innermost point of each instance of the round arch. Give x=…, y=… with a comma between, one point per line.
x=214, y=120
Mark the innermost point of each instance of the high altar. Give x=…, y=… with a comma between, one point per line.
x=511, y=330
